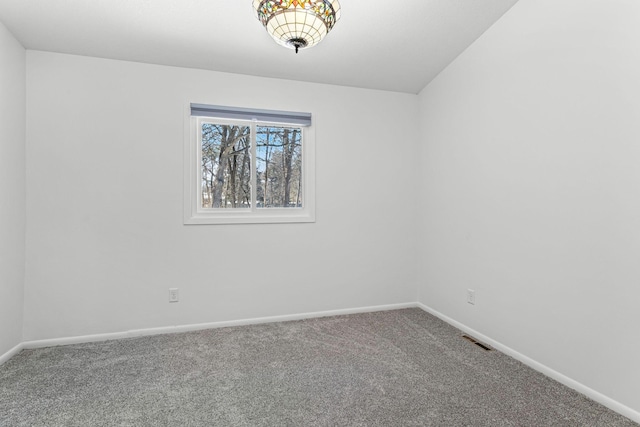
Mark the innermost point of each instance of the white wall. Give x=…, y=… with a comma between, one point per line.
x=105, y=238
x=531, y=189
x=12, y=189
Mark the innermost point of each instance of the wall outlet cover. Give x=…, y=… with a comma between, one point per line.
x=471, y=296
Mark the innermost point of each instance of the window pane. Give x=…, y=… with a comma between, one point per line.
x=279, y=167
x=226, y=166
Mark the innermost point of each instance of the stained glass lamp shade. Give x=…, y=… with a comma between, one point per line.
x=297, y=24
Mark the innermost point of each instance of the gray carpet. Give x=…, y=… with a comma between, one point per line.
x=395, y=368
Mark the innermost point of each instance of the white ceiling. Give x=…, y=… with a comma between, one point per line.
x=378, y=44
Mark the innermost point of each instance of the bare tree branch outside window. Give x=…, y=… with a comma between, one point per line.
x=226, y=166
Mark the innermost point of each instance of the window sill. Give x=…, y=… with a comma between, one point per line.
x=275, y=216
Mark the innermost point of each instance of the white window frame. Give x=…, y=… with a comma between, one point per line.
x=194, y=213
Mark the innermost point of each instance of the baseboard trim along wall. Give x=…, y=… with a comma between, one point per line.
x=563, y=379
x=9, y=354
x=213, y=325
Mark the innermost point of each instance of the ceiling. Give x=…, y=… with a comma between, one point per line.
x=389, y=45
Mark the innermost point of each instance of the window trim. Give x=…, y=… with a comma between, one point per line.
x=193, y=211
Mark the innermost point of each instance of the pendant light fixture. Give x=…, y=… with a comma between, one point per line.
x=297, y=24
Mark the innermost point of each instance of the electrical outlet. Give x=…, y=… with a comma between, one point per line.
x=471, y=296
x=173, y=295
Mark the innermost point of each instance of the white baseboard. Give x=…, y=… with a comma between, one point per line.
x=9, y=354
x=562, y=379
x=213, y=325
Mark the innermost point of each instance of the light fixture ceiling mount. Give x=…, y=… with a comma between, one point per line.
x=297, y=24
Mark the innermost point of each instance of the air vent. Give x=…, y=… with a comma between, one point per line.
x=476, y=342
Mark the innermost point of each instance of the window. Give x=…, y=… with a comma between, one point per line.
x=248, y=166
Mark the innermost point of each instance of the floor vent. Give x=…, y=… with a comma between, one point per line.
x=476, y=342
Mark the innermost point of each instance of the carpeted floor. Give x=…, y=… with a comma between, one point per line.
x=395, y=368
